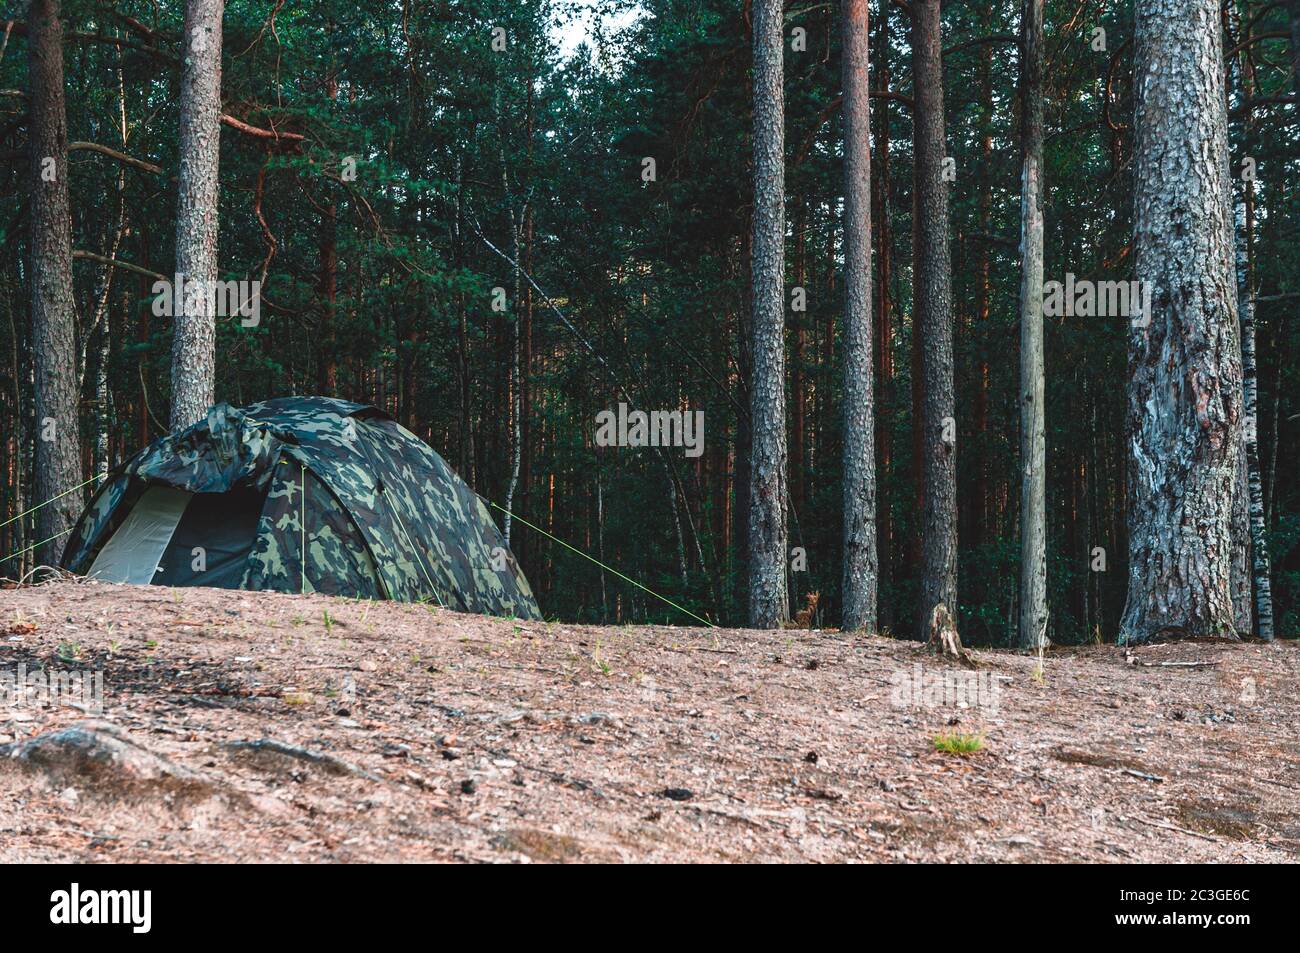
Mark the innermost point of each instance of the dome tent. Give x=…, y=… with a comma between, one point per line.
x=300, y=494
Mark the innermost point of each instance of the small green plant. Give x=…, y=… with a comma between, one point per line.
x=329, y=622
x=69, y=651
x=600, y=662
x=957, y=743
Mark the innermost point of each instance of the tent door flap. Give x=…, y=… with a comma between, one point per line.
x=134, y=551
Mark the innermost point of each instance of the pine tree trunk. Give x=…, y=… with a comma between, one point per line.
x=194, y=338
x=1033, y=462
x=768, y=604
x=860, y=556
x=934, y=322
x=883, y=312
x=1185, y=388
x=58, y=425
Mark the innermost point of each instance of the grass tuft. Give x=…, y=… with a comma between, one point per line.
x=957, y=743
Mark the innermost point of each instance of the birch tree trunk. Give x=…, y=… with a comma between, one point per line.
x=934, y=323
x=768, y=603
x=1239, y=582
x=860, y=556
x=194, y=338
x=1250, y=438
x=1033, y=498
x=54, y=353
x=1184, y=389
x=1249, y=477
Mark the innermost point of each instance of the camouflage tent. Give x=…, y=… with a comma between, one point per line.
x=300, y=494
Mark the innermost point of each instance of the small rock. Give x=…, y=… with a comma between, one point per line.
x=468, y=786
x=811, y=757
x=677, y=794
x=1021, y=840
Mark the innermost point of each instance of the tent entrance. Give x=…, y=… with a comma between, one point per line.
x=175, y=538
x=135, y=548
x=212, y=541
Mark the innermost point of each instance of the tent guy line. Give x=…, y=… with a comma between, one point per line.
x=593, y=559
x=97, y=476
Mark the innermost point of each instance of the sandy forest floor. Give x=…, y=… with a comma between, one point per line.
x=244, y=726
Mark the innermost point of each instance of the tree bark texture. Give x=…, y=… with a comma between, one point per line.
x=861, y=569
x=54, y=353
x=1033, y=456
x=768, y=603
x=1185, y=389
x=934, y=312
x=194, y=336
x=1259, y=567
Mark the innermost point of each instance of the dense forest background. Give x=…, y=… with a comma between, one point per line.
x=386, y=164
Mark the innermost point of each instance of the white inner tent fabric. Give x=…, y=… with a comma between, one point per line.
x=134, y=551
